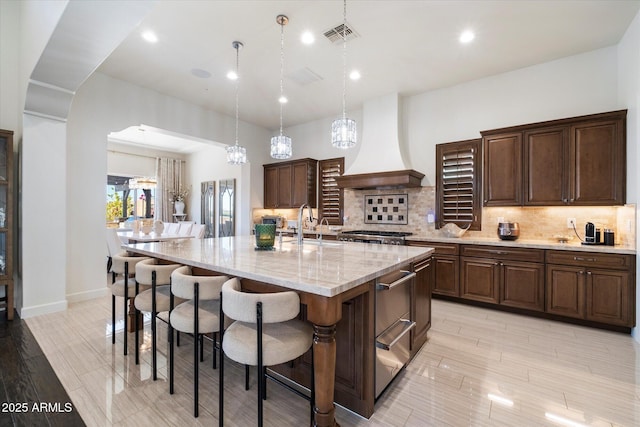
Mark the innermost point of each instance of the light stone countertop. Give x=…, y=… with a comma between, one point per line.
x=572, y=245
x=326, y=270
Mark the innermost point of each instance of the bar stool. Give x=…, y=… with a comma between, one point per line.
x=265, y=333
x=122, y=264
x=198, y=316
x=155, y=300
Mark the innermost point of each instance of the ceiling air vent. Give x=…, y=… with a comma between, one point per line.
x=335, y=34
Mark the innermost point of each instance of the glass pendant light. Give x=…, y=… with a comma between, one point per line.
x=343, y=130
x=281, y=144
x=237, y=155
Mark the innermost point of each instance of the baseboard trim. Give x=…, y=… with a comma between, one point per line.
x=37, y=310
x=87, y=295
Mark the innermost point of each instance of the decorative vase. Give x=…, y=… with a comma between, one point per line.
x=179, y=205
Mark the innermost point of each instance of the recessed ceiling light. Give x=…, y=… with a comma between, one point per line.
x=150, y=36
x=355, y=75
x=232, y=75
x=283, y=100
x=467, y=36
x=307, y=37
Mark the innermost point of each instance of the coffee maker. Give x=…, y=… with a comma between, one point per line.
x=590, y=234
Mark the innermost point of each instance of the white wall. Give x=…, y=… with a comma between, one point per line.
x=128, y=160
x=629, y=95
x=103, y=105
x=209, y=164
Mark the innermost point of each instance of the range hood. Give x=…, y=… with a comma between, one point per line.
x=380, y=162
x=405, y=178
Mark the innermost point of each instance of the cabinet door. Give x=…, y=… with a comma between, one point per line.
x=421, y=307
x=446, y=275
x=480, y=280
x=303, y=182
x=546, y=178
x=503, y=169
x=609, y=297
x=523, y=285
x=565, y=291
x=598, y=163
x=284, y=187
x=271, y=187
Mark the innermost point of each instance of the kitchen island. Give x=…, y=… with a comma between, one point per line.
x=332, y=279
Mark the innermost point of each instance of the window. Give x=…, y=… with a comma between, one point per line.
x=458, y=184
x=124, y=201
x=331, y=200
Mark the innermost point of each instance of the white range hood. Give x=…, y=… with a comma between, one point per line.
x=382, y=161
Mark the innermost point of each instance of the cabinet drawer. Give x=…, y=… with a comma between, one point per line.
x=440, y=248
x=590, y=259
x=499, y=252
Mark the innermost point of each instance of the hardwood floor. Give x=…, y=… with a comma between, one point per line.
x=479, y=368
x=32, y=395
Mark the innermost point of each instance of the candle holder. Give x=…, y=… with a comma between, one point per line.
x=265, y=236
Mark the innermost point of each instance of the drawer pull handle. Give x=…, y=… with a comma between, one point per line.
x=407, y=276
x=579, y=258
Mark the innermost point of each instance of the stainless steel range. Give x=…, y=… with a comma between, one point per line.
x=374, y=236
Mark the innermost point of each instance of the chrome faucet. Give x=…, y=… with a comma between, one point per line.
x=320, y=226
x=310, y=212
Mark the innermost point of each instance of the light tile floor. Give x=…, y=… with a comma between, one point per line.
x=479, y=368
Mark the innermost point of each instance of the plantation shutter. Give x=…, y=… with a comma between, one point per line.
x=331, y=197
x=458, y=183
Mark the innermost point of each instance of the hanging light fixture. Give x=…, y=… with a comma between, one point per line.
x=343, y=130
x=237, y=155
x=281, y=144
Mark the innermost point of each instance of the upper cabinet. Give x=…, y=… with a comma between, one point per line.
x=290, y=184
x=574, y=161
x=6, y=219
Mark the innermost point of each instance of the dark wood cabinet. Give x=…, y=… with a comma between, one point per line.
x=480, y=280
x=421, y=303
x=503, y=169
x=445, y=267
x=573, y=161
x=6, y=220
x=591, y=286
x=511, y=277
x=546, y=175
x=290, y=184
x=598, y=162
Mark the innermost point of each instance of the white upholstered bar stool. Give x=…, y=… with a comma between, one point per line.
x=123, y=284
x=198, y=315
x=265, y=333
x=157, y=276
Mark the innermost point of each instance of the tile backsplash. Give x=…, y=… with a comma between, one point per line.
x=536, y=223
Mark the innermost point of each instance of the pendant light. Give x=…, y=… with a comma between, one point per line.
x=281, y=144
x=237, y=155
x=343, y=130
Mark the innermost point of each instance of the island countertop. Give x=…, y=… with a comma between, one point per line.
x=327, y=270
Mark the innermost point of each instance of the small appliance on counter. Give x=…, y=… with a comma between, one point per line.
x=508, y=230
x=278, y=220
x=592, y=236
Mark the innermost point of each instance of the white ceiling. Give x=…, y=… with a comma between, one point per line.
x=403, y=46
x=161, y=139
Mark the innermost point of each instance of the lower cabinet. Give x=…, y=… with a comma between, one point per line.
x=592, y=286
x=597, y=288
x=421, y=303
x=503, y=276
x=446, y=267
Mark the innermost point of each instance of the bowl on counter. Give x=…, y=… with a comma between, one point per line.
x=452, y=230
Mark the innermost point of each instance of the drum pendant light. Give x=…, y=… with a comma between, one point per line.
x=237, y=155
x=281, y=144
x=343, y=130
